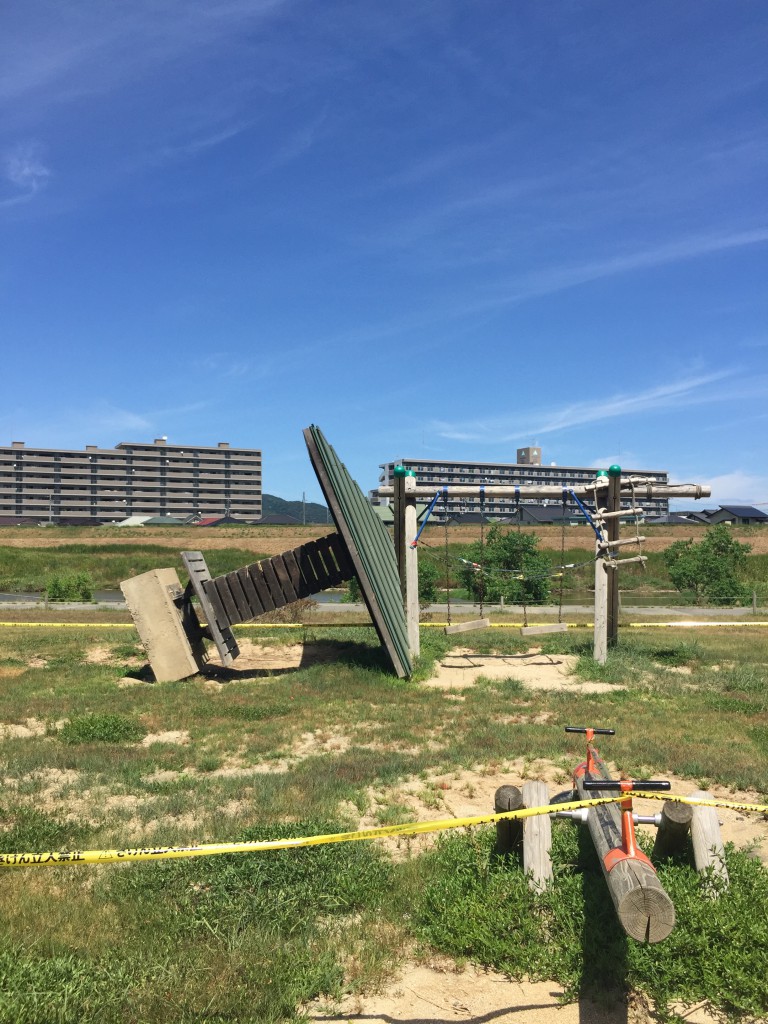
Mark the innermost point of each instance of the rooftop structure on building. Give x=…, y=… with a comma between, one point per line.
x=528, y=469
x=105, y=485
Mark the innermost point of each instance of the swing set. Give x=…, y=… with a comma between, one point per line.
x=606, y=492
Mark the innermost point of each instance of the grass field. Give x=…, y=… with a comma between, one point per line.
x=95, y=756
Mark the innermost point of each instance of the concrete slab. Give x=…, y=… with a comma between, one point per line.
x=150, y=598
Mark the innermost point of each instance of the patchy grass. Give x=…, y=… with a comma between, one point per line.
x=316, y=749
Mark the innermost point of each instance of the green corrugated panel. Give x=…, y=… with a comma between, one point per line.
x=370, y=548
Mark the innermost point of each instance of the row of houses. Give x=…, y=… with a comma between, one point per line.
x=552, y=515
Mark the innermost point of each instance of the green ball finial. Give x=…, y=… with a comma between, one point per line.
x=399, y=470
x=601, y=472
x=614, y=470
x=410, y=472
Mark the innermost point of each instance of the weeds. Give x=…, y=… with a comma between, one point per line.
x=96, y=728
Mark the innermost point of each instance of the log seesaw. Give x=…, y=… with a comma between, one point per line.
x=644, y=909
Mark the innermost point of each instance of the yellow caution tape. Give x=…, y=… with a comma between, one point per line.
x=71, y=625
x=680, y=624
x=10, y=860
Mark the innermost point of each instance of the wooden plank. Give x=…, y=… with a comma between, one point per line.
x=260, y=585
x=551, y=627
x=236, y=589
x=284, y=578
x=254, y=601
x=465, y=627
x=294, y=572
x=309, y=575
x=270, y=578
x=328, y=555
x=220, y=584
x=212, y=608
x=315, y=558
x=537, y=838
x=340, y=553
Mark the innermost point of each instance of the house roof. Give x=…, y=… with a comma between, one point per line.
x=277, y=519
x=744, y=511
x=164, y=521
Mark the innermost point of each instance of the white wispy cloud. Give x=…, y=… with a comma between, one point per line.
x=693, y=247
x=687, y=391
x=24, y=172
x=737, y=487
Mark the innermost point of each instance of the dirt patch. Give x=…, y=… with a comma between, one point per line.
x=178, y=736
x=98, y=655
x=462, y=668
x=442, y=993
x=269, y=660
x=30, y=728
x=11, y=671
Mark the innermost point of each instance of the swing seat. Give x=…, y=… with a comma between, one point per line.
x=550, y=627
x=466, y=627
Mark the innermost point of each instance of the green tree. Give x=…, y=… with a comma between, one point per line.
x=428, y=580
x=513, y=568
x=712, y=569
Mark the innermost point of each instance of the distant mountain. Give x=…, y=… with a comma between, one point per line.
x=315, y=513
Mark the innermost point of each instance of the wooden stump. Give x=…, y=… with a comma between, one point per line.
x=672, y=833
x=509, y=834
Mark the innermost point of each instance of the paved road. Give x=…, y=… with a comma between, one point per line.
x=114, y=600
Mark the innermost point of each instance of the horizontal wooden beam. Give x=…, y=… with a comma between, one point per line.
x=530, y=491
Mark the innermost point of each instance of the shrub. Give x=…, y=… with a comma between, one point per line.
x=69, y=586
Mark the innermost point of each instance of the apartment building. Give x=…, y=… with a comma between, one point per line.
x=103, y=485
x=527, y=470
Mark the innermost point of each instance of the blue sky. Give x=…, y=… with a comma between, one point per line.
x=433, y=228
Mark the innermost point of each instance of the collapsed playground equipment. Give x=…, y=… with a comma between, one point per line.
x=167, y=620
x=645, y=911
x=166, y=617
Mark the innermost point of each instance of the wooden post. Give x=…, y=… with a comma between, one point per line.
x=708, y=852
x=537, y=838
x=600, y=648
x=613, y=528
x=645, y=911
x=411, y=568
x=398, y=511
x=509, y=834
x=672, y=833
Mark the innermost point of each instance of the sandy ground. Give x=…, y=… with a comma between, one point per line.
x=441, y=993
x=469, y=793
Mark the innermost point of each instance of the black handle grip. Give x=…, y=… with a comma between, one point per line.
x=597, y=732
x=614, y=786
